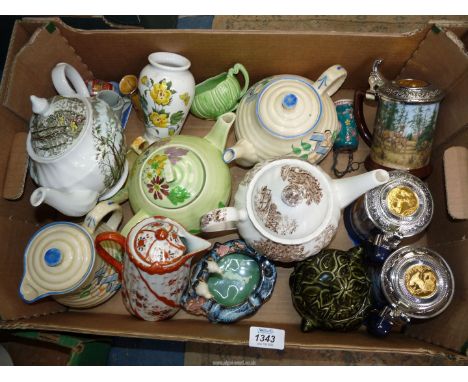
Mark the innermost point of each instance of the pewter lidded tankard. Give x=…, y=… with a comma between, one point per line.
x=404, y=125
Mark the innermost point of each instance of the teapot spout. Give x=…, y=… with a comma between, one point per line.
x=219, y=132
x=349, y=189
x=242, y=152
x=195, y=245
x=70, y=203
x=28, y=292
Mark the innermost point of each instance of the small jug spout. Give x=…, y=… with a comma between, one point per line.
x=349, y=189
x=242, y=152
x=29, y=293
x=219, y=132
x=195, y=245
x=70, y=203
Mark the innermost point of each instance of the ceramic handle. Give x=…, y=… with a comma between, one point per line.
x=364, y=132
x=99, y=212
x=139, y=144
x=221, y=219
x=331, y=80
x=240, y=68
x=62, y=75
x=117, y=238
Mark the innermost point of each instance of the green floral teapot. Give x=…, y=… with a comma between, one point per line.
x=181, y=177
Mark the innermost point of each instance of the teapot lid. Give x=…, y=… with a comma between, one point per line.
x=417, y=281
x=154, y=242
x=57, y=260
x=289, y=201
x=172, y=176
x=404, y=204
x=56, y=125
x=289, y=107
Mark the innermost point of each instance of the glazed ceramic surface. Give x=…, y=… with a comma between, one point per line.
x=404, y=125
x=182, y=177
x=287, y=115
x=166, y=89
x=288, y=209
x=60, y=261
x=230, y=283
x=77, y=150
x=401, y=208
x=218, y=95
x=331, y=290
x=156, y=265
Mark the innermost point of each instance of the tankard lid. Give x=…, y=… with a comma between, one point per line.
x=417, y=281
x=57, y=260
x=411, y=90
x=403, y=206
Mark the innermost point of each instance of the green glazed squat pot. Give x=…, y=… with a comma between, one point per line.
x=220, y=94
x=180, y=177
x=331, y=290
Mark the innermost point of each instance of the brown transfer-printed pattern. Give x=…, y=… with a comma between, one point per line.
x=325, y=237
x=302, y=187
x=216, y=216
x=281, y=252
x=268, y=212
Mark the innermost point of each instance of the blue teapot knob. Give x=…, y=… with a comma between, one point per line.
x=53, y=257
x=289, y=101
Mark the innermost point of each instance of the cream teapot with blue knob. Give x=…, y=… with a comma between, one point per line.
x=287, y=115
x=60, y=261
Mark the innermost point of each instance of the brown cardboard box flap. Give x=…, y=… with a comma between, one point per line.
x=456, y=181
x=442, y=60
x=30, y=71
x=13, y=185
x=204, y=331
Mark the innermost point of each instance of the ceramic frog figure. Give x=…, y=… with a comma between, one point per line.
x=331, y=290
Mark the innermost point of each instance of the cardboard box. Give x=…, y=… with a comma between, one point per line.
x=32, y=348
x=433, y=54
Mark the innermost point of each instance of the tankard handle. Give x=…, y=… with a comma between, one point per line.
x=62, y=75
x=361, y=125
x=116, y=238
x=240, y=68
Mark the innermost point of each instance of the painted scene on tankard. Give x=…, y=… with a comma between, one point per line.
x=403, y=134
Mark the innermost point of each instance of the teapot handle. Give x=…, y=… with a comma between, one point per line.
x=99, y=212
x=221, y=219
x=62, y=75
x=240, y=68
x=331, y=80
x=116, y=238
